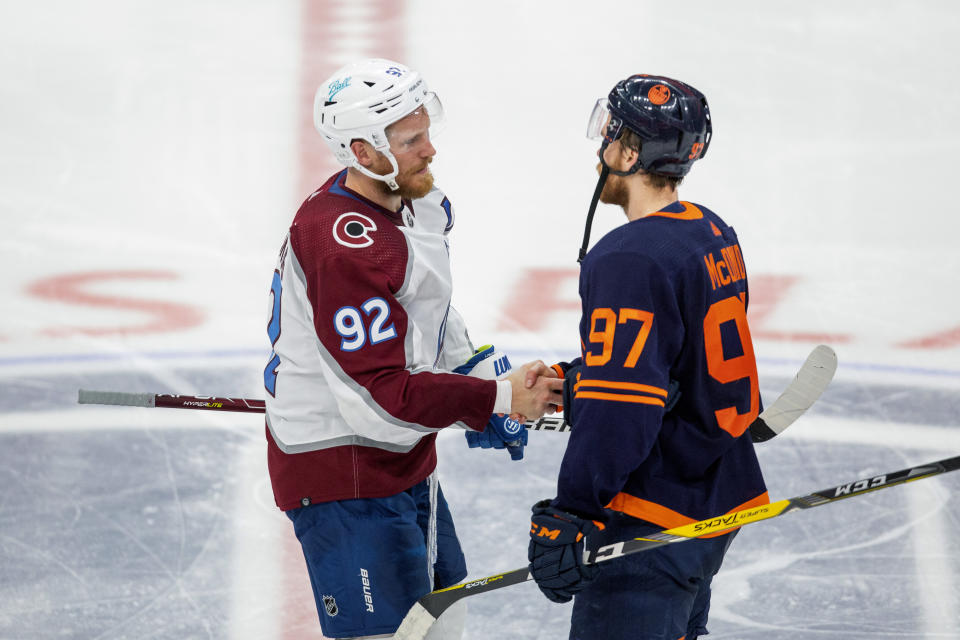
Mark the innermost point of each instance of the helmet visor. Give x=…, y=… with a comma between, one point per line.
x=424, y=122
x=434, y=109
x=602, y=123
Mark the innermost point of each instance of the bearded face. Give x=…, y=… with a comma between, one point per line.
x=414, y=177
x=614, y=190
x=415, y=182
x=410, y=144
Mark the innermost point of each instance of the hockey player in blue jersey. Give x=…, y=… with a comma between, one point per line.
x=665, y=387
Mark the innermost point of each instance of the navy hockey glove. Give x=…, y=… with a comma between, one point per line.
x=500, y=432
x=556, y=552
x=571, y=376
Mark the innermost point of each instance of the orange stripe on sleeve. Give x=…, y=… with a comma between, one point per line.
x=631, y=386
x=559, y=371
x=619, y=397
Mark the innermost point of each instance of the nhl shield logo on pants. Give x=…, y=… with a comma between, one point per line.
x=330, y=604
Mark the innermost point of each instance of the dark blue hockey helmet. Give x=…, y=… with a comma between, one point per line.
x=671, y=118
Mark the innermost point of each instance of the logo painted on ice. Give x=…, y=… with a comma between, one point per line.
x=337, y=86
x=330, y=605
x=353, y=230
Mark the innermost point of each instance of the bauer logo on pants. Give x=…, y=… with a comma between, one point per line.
x=367, y=594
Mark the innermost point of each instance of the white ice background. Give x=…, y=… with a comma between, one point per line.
x=161, y=140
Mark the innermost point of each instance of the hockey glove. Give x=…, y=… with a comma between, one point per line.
x=487, y=363
x=556, y=552
x=570, y=379
x=500, y=432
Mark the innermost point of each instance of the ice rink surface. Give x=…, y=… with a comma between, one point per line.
x=153, y=154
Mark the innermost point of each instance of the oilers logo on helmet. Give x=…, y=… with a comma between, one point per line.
x=659, y=94
x=671, y=118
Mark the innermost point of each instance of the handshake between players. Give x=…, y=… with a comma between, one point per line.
x=534, y=389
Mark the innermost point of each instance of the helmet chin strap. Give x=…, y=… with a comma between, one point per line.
x=390, y=178
x=604, y=172
x=593, y=208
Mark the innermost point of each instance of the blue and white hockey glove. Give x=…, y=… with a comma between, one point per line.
x=556, y=552
x=487, y=363
x=500, y=432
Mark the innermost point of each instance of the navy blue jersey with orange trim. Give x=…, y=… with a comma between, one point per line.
x=664, y=298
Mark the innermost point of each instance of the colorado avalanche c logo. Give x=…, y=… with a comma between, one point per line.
x=353, y=230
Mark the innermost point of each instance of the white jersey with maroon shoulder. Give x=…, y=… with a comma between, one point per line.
x=363, y=340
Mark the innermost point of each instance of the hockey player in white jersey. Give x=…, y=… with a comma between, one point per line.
x=365, y=344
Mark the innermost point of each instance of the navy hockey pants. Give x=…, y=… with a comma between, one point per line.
x=660, y=594
x=368, y=559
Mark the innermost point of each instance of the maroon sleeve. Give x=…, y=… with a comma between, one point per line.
x=360, y=284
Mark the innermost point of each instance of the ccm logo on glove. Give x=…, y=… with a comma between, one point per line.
x=548, y=533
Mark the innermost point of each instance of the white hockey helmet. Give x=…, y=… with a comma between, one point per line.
x=361, y=100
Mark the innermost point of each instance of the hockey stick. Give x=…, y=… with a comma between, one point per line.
x=813, y=377
x=425, y=611
x=242, y=405
x=805, y=388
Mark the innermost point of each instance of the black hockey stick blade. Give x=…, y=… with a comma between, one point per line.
x=813, y=377
x=427, y=609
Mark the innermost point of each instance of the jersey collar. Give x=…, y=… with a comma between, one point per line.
x=339, y=188
x=680, y=210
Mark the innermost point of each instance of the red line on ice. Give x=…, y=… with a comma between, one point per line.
x=72, y=289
